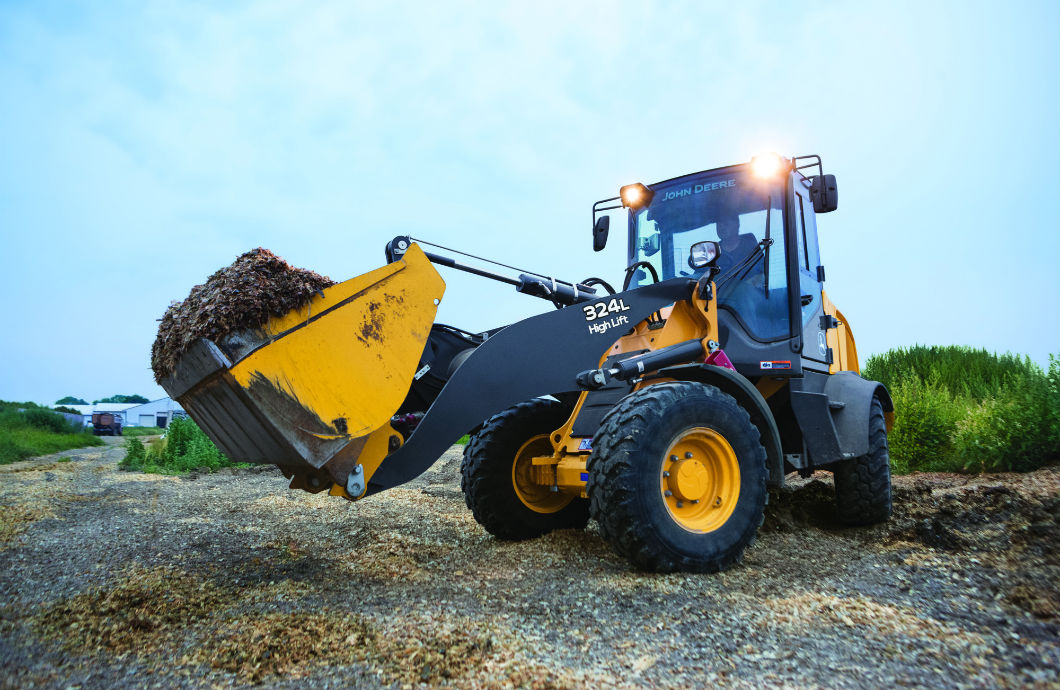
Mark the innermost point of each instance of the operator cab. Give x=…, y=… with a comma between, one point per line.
x=761, y=214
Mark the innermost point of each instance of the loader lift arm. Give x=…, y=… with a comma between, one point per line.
x=561, y=293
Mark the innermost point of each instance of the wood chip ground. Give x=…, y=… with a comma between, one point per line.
x=119, y=580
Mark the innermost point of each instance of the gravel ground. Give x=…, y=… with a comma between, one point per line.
x=123, y=580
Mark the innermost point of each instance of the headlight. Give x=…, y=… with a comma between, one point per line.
x=635, y=196
x=767, y=165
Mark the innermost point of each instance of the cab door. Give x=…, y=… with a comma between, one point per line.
x=815, y=351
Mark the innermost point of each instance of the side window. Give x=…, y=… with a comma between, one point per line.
x=800, y=233
x=812, y=252
x=806, y=233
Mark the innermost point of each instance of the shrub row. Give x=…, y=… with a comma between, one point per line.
x=184, y=448
x=963, y=410
x=27, y=430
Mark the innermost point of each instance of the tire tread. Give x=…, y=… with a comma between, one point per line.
x=611, y=469
x=863, y=484
x=485, y=473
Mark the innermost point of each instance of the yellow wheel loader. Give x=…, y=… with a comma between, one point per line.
x=664, y=410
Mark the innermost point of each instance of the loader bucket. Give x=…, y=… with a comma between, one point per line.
x=314, y=389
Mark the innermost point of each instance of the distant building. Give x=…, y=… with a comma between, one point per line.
x=85, y=411
x=155, y=413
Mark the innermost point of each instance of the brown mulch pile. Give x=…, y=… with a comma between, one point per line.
x=255, y=287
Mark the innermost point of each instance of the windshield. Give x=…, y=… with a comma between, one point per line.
x=737, y=210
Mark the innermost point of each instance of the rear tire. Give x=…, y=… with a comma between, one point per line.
x=863, y=485
x=677, y=478
x=498, y=456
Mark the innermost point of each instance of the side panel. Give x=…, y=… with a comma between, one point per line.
x=852, y=420
x=840, y=340
x=833, y=414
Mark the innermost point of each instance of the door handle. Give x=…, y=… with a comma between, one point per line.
x=807, y=300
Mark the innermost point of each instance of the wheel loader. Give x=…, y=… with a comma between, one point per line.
x=664, y=409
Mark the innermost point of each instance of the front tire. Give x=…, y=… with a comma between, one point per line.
x=863, y=485
x=677, y=478
x=495, y=474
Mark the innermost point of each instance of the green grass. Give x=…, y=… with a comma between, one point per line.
x=184, y=448
x=37, y=431
x=964, y=410
x=142, y=431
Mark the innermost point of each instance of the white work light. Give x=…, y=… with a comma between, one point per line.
x=635, y=196
x=767, y=165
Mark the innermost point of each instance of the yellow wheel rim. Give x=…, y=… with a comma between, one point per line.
x=534, y=494
x=700, y=480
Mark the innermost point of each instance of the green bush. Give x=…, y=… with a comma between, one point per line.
x=37, y=418
x=135, y=455
x=49, y=421
x=28, y=430
x=184, y=448
x=960, y=370
x=925, y=418
x=964, y=410
x=19, y=443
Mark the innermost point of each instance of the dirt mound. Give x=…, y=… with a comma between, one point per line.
x=1006, y=523
x=1016, y=533
x=255, y=287
x=798, y=506
x=989, y=518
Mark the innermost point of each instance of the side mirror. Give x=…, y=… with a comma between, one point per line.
x=703, y=254
x=824, y=194
x=600, y=228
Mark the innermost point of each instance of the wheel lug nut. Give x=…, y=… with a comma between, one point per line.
x=695, y=501
x=688, y=455
x=666, y=474
x=668, y=493
x=717, y=501
x=680, y=504
x=673, y=458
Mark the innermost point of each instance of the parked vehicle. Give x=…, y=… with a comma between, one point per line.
x=106, y=424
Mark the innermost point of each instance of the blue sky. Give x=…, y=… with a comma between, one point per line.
x=145, y=145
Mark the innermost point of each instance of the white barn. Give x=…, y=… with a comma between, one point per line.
x=155, y=413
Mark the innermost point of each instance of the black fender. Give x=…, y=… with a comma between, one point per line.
x=538, y=356
x=732, y=383
x=832, y=411
x=852, y=419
